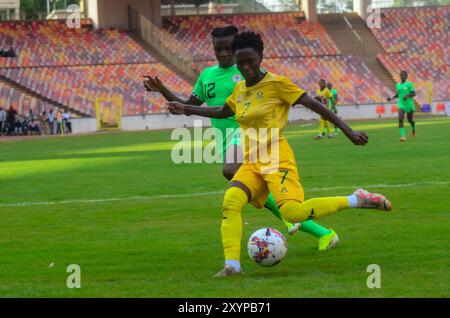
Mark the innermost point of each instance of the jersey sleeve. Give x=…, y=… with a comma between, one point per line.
x=231, y=100
x=410, y=87
x=289, y=92
x=198, y=89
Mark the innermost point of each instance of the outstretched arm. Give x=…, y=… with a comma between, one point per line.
x=357, y=137
x=154, y=84
x=177, y=108
x=391, y=98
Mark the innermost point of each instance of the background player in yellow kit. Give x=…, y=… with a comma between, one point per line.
x=262, y=102
x=324, y=95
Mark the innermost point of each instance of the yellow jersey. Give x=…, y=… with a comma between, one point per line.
x=262, y=109
x=325, y=93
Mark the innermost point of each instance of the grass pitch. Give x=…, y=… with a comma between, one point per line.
x=140, y=226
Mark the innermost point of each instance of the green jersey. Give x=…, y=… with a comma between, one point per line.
x=333, y=98
x=404, y=89
x=213, y=87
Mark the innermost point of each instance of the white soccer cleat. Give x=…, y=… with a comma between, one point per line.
x=370, y=200
x=228, y=271
x=294, y=228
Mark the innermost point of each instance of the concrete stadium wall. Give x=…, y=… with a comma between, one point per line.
x=168, y=121
x=114, y=13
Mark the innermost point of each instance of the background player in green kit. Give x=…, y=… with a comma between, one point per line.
x=405, y=93
x=214, y=85
x=333, y=102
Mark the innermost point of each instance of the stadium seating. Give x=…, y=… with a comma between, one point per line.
x=283, y=34
x=75, y=66
x=394, y=109
x=414, y=29
x=79, y=86
x=52, y=43
x=380, y=110
x=429, y=76
x=355, y=83
x=416, y=40
x=10, y=96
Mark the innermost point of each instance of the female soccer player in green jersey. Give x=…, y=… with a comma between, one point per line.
x=213, y=87
x=262, y=103
x=405, y=93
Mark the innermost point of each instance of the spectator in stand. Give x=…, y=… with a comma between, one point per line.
x=66, y=121
x=51, y=120
x=11, y=120
x=43, y=122
x=31, y=115
x=9, y=53
x=2, y=120
x=59, y=123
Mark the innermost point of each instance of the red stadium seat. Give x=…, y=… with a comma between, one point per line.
x=440, y=107
x=380, y=110
x=416, y=40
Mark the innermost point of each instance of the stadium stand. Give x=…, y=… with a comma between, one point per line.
x=73, y=67
x=293, y=47
x=350, y=77
x=284, y=34
x=52, y=43
x=416, y=40
x=80, y=86
x=11, y=96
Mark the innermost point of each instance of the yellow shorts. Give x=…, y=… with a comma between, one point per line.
x=283, y=183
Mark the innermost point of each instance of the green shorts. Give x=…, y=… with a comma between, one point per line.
x=408, y=109
x=232, y=137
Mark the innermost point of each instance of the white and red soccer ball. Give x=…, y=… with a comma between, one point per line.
x=267, y=247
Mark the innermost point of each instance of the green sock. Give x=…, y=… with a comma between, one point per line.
x=272, y=206
x=314, y=229
x=413, y=127
x=402, y=132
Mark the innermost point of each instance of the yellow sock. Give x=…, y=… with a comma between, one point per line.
x=321, y=125
x=328, y=126
x=294, y=211
x=233, y=202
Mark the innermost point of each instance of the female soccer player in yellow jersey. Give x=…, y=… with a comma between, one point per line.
x=261, y=102
x=213, y=87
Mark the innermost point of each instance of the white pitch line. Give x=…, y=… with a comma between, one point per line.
x=198, y=194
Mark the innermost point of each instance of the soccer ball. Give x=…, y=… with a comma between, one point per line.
x=267, y=247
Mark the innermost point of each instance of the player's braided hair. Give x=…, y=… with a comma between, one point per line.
x=247, y=39
x=225, y=31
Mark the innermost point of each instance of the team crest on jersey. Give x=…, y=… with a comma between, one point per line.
x=259, y=95
x=236, y=78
